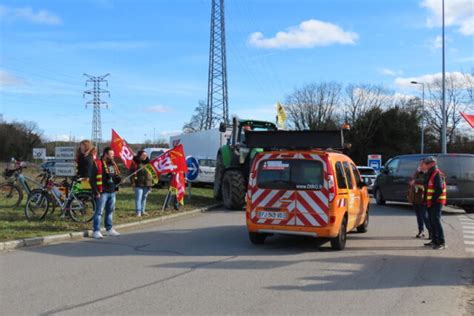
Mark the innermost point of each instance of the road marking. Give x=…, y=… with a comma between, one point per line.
x=468, y=236
x=470, y=249
x=465, y=219
x=469, y=242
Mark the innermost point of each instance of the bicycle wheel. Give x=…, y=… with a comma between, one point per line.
x=37, y=205
x=10, y=195
x=82, y=207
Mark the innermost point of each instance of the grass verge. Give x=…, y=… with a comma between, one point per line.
x=13, y=223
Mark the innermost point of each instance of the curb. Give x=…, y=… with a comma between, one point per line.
x=74, y=236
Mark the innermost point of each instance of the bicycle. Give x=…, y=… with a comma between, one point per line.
x=73, y=200
x=11, y=192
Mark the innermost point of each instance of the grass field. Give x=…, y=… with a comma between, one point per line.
x=14, y=225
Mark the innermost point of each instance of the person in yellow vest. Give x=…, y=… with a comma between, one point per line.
x=435, y=198
x=104, y=177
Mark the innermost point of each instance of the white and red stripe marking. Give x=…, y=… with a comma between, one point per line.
x=304, y=207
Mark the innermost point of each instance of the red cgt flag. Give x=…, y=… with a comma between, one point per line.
x=122, y=149
x=171, y=161
x=178, y=186
x=469, y=118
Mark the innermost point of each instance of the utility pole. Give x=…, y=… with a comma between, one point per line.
x=217, y=100
x=444, y=147
x=96, y=103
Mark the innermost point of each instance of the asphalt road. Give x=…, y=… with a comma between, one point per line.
x=205, y=265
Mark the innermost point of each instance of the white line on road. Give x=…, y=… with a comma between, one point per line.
x=468, y=227
x=468, y=236
x=470, y=249
x=469, y=242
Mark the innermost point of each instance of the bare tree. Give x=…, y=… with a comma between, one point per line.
x=459, y=89
x=198, y=120
x=362, y=98
x=314, y=106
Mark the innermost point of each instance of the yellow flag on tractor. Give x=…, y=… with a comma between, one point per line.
x=281, y=115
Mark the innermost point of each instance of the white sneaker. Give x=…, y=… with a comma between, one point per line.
x=139, y=214
x=97, y=235
x=112, y=232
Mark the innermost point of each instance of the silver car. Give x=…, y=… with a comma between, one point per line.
x=368, y=175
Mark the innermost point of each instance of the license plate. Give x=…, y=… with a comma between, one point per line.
x=271, y=215
x=452, y=188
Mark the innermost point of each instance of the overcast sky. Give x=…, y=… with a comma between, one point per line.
x=157, y=55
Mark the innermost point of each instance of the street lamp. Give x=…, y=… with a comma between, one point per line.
x=422, y=114
x=444, y=148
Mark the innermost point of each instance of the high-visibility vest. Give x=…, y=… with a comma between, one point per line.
x=98, y=176
x=431, y=189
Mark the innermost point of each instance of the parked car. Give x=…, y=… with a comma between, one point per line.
x=154, y=152
x=392, y=183
x=368, y=175
x=207, y=170
x=48, y=166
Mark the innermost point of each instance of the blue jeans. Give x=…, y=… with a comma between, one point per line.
x=141, y=194
x=107, y=202
x=437, y=232
x=422, y=217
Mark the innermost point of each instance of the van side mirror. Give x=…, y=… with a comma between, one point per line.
x=222, y=127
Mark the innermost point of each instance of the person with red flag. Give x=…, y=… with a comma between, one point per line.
x=142, y=181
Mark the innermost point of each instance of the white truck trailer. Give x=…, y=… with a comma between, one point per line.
x=203, y=145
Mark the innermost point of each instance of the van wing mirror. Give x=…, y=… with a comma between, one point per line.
x=222, y=127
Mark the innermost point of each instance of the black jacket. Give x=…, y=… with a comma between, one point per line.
x=110, y=179
x=142, y=178
x=84, y=163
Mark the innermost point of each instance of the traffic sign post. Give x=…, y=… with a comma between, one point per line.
x=375, y=161
x=39, y=153
x=64, y=165
x=192, y=174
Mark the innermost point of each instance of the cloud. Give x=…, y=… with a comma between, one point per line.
x=390, y=72
x=158, y=109
x=459, y=13
x=307, y=34
x=28, y=14
x=458, y=77
x=10, y=80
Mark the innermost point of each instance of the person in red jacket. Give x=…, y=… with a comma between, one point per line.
x=104, y=177
x=435, y=198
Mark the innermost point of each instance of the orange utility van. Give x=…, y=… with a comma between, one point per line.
x=315, y=193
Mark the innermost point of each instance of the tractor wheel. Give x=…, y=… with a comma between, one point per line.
x=218, y=178
x=233, y=190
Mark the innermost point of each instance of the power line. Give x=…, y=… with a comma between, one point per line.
x=96, y=102
x=217, y=99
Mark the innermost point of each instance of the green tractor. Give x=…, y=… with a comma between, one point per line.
x=234, y=161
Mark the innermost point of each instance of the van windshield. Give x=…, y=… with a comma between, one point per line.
x=291, y=175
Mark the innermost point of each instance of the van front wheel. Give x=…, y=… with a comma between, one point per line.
x=256, y=238
x=339, y=242
x=379, y=197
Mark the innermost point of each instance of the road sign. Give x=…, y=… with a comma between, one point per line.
x=65, y=169
x=193, y=168
x=64, y=153
x=374, y=161
x=39, y=153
